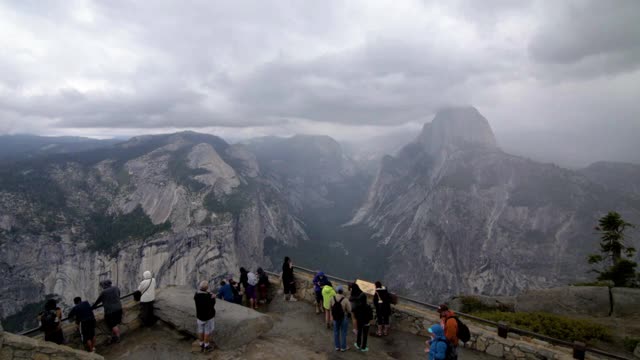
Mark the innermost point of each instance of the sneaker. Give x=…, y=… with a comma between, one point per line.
x=356, y=345
x=345, y=349
x=293, y=299
x=207, y=348
x=337, y=349
x=365, y=349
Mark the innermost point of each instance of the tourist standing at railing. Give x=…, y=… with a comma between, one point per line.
x=340, y=312
x=82, y=313
x=450, y=326
x=327, y=294
x=50, y=322
x=110, y=297
x=382, y=302
x=244, y=278
x=353, y=301
x=319, y=281
x=363, y=314
x=263, y=286
x=252, y=283
x=288, y=281
x=147, y=289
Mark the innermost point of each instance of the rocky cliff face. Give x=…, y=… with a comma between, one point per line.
x=185, y=206
x=458, y=215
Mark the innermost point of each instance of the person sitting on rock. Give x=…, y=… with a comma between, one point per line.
x=450, y=326
x=110, y=297
x=86, y=321
x=50, y=324
x=226, y=292
x=382, y=303
x=327, y=294
x=263, y=286
x=205, y=315
x=237, y=291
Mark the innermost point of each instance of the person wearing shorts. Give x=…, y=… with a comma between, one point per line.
x=110, y=297
x=86, y=321
x=205, y=314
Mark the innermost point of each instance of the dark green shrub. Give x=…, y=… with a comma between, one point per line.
x=555, y=326
x=630, y=343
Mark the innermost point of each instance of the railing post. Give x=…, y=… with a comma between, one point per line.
x=503, y=329
x=579, y=350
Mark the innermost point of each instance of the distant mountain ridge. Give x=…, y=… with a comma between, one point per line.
x=19, y=147
x=458, y=215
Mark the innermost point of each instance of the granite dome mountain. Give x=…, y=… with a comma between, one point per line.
x=449, y=213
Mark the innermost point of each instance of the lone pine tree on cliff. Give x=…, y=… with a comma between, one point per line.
x=614, y=250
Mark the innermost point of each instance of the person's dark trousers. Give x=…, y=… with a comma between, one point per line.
x=146, y=313
x=363, y=335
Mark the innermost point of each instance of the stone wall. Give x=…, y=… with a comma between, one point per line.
x=16, y=347
x=22, y=347
x=416, y=320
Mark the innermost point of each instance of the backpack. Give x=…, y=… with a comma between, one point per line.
x=464, y=334
x=252, y=279
x=337, y=312
x=394, y=298
x=366, y=313
x=49, y=321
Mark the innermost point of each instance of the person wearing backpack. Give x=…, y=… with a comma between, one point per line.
x=449, y=324
x=50, y=320
x=205, y=314
x=438, y=347
x=327, y=294
x=340, y=312
x=110, y=297
x=147, y=289
x=86, y=321
x=252, y=282
x=382, y=303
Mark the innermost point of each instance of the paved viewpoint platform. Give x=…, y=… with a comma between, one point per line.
x=297, y=333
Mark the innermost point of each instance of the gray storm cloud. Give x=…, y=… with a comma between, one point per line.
x=86, y=67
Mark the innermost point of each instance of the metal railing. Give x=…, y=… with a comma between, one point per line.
x=579, y=349
x=38, y=329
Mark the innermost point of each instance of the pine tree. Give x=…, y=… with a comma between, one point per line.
x=615, y=251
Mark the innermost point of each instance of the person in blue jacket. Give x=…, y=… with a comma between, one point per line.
x=319, y=281
x=437, y=346
x=226, y=292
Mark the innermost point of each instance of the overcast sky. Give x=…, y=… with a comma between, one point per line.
x=350, y=69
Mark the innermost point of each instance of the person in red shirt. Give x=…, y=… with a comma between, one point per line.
x=450, y=325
